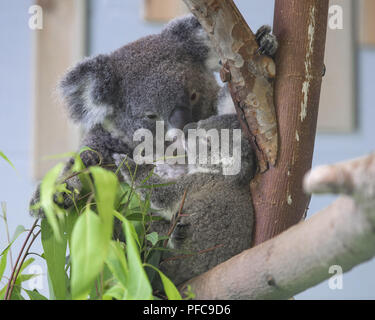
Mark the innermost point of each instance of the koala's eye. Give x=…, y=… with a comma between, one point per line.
x=194, y=96
x=152, y=116
x=180, y=232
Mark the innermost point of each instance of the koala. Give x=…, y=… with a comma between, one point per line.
x=217, y=219
x=165, y=77
x=168, y=77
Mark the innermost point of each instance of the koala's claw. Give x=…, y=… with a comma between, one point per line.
x=36, y=212
x=120, y=160
x=266, y=40
x=63, y=200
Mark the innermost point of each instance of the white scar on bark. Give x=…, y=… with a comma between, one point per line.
x=308, y=64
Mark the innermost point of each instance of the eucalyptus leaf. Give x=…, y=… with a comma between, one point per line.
x=2, y=155
x=116, y=292
x=88, y=253
x=116, y=262
x=3, y=291
x=153, y=259
x=105, y=193
x=35, y=295
x=169, y=288
x=16, y=294
x=54, y=253
x=25, y=277
x=47, y=191
x=153, y=237
x=3, y=261
x=19, y=230
x=138, y=286
x=26, y=263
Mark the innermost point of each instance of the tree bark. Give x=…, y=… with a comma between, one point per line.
x=249, y=74
x=278, y=197
x=341, y=235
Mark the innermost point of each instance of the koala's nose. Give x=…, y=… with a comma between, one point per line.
x=180, y=117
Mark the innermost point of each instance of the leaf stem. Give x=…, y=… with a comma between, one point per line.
x=10, y=285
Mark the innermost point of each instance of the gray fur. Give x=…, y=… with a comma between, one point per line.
x=115, y=94
x=218, y=208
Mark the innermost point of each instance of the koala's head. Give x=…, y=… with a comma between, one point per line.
x=216, y=145
x=165, y=77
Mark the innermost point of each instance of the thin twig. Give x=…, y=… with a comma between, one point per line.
x=19, y=257
x=10, y=288
x=171, y=229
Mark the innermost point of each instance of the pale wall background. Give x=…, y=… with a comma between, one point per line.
x=112, y=24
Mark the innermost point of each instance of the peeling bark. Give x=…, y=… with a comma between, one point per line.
x=343, y=234
x=300, y=27
x=249, y=75
x=278, y=197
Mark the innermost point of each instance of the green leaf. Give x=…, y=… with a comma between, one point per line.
x=105, y=193
x=188, y=293
x=3, y=291
x=19, y=230
x=78, y=163
x=3, y=261
x=153, y=258
x=169, y=288
x=117, y=292
x=60, y=156
x=35, y=295
x=16, y=294
x=153, y=237
x=54, y=253
x=50, y=288
x=2, y=155
x=116, y=262
x=138, y=286
x=47, y=191
x=26, y=264
x=130, y=198
x=88, y=253
x=70, y=221
x=25, y=277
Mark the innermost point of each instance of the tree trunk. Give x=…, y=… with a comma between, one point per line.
x=278, y=197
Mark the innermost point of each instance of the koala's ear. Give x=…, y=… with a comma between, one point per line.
x=188, y=34
x=89, y=90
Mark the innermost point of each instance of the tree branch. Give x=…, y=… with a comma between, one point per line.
x=342, y=234
x=249, y=74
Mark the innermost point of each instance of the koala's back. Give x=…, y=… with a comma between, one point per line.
x=216, y=225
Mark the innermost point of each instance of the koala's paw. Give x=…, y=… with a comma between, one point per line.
x=127, y=166
x=33, y=210
x=266, y=40
x=63, y=200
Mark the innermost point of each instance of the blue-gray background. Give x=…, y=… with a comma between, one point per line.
x=112, y=24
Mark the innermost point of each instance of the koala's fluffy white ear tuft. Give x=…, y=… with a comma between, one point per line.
x=89, y=90
x=188, y=33
x=212, y=61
